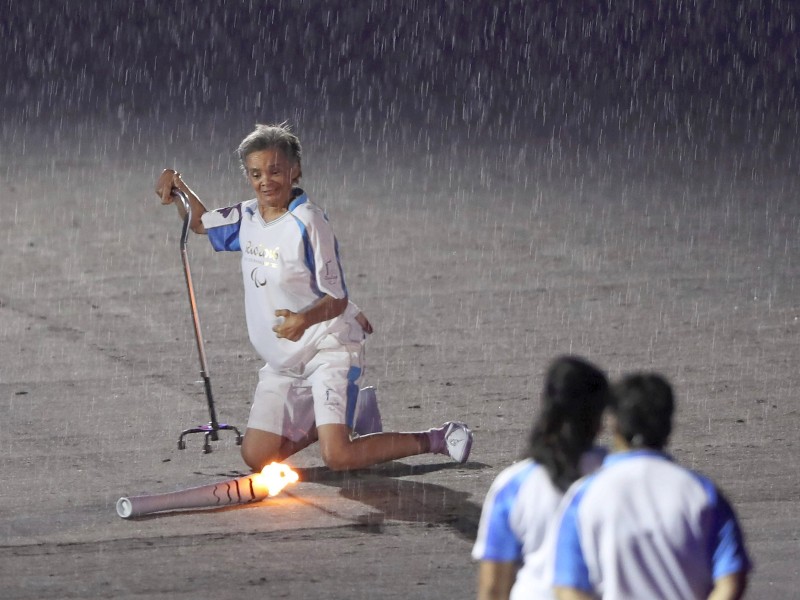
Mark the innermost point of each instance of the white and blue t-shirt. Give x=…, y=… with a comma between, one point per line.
x=518, y=514
x=288, y=263
x=645, y=527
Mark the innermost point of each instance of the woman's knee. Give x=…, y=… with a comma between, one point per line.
x=259, y=450
x=338, y=456
x=250, y=459
x=337, y=450
x=337, y=461
x=253, y=457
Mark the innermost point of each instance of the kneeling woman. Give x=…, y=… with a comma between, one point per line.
x=300, y=319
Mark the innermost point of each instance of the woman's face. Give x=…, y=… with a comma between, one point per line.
x=271, y=175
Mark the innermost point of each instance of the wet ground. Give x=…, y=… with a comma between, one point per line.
x=479, y=247
x=475, y=270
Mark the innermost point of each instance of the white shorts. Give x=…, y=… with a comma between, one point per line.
x=292, y=403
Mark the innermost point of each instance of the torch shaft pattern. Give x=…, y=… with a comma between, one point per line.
x=234, y=491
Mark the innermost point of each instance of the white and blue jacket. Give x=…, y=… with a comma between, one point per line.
x=645, y=527
x=288, y=263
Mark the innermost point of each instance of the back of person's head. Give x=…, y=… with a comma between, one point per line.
x=643, y=404
x=267, y=137
x=574, y=396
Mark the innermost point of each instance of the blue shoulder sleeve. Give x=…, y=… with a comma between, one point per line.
x=222, y=226
x=501, y=544
x=571, y=569
x=728, y=553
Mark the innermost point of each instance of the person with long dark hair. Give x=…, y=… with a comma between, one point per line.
x=643, y=526
x=523, y=500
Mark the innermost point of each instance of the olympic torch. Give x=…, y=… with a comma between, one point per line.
x=251, y=488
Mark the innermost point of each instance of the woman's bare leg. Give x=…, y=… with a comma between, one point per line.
x=340, y=453
x=259, y=448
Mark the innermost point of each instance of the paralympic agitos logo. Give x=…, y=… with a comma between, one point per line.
x=260, y=279
x=267, y=257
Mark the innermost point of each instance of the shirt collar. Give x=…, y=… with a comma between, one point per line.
x=300, y=197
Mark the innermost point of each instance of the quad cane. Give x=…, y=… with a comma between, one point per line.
x=213, y=426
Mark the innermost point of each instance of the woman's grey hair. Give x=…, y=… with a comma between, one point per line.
x=266, y=137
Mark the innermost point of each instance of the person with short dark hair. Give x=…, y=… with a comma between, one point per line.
x=522, y=502
x=643, y=526
x=300, y=319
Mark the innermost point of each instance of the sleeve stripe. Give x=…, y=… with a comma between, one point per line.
x=571, y=569
x=222, y=226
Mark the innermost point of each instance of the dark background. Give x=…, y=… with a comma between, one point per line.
x=713, y=73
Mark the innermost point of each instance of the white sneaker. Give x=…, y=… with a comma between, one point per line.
x=458, y=441
x=367, y=415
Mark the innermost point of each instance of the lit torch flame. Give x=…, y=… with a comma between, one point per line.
x=274, y=477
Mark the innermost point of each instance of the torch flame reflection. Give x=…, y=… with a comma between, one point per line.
x=274, y=477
